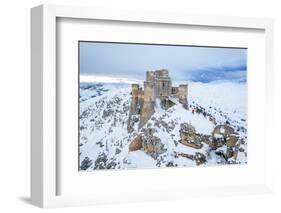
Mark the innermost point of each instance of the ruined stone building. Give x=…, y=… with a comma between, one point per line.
x=158, y=85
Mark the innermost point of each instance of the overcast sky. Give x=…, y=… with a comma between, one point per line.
x=115, y=62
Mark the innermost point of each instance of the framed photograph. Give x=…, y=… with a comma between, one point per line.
x=129, y=106
x=135, y=119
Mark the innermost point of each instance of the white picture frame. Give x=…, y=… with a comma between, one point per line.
x=44, y=84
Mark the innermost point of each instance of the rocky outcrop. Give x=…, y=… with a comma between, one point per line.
x=103, y=162
x=186, y=128
x=149, y=143
x=153, y=146
x=86, y=163
x=136, y=144
x=198, y=157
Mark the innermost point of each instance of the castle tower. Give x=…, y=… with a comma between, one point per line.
x=150, y=76
x=162, y=73
x=135, y=90
x=148, y=102
x=149, y=91
x=135, y=95
x=163, y=83
x=158, y=84
x=165, y=88
x=182, y=94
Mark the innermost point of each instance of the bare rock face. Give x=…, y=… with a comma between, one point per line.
x=199, y=158
x=149, y=143
x=136, y=144
x=152, y=144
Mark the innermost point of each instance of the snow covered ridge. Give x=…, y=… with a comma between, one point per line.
x=212, y=131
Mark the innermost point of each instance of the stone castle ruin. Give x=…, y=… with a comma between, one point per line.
x=159, y=92
x=158, y=89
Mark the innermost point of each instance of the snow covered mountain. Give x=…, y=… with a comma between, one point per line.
x=217, y=114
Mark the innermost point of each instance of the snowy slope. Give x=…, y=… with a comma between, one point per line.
x=104, y=113
x=228, y=97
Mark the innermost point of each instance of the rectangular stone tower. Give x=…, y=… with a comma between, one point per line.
x=182, y=94
x=158, y=84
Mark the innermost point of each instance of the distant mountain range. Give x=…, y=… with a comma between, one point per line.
x=203, y=75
